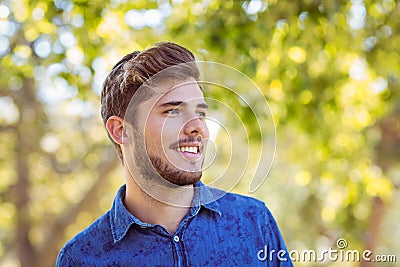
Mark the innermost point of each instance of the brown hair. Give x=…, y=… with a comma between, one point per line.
x=136, y=68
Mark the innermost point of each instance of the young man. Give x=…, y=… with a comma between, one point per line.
x=154, y=112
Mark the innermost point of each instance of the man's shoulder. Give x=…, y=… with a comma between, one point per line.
x=234, y=202
x=229, y=198
x=98, y=231
x=86, y=243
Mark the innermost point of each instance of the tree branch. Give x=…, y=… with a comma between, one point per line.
x=5, y=128
x=50, y=248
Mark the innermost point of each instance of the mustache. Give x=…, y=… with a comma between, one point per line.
x=189, y=139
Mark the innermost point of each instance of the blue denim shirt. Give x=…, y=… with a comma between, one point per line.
x=233, y=230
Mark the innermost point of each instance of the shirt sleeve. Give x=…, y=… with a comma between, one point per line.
x=274, y=252
x=64, y=260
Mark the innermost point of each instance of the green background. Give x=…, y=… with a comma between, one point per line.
x=330, y=71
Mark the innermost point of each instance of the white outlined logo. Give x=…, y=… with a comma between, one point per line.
x=341, y=243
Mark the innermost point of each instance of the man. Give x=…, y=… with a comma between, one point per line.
x=154, y=112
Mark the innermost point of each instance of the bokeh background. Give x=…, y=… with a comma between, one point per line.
x=330, y=71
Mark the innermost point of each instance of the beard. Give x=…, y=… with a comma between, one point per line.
x=173, y=174
x=153, y=167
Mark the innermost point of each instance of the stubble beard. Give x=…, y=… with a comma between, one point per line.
x=153, y=166
x=173, y=174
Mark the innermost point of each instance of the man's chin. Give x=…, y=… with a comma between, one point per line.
x=182, y=178
x=173, y=175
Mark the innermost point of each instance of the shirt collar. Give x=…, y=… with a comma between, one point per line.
x=121, y=219
x=206, y=197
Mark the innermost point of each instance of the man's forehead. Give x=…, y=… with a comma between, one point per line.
x=178, y=91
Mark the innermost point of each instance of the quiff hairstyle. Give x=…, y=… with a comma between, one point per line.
x=134, y=69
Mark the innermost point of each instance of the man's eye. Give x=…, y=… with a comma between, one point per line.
x=202, y=114
x=172, y=111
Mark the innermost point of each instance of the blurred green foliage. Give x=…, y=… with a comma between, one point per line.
x=330, y=71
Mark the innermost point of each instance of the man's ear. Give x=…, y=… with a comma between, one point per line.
x=115, y=128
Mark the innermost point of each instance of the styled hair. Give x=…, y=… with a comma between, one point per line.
x=134, y=69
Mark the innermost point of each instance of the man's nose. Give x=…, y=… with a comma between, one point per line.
x=195, y=126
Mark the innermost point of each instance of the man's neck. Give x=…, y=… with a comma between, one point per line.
x=158, y=209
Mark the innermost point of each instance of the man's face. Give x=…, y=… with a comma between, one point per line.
x=175, y=131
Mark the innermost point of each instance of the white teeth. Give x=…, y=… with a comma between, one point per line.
x=191, y=149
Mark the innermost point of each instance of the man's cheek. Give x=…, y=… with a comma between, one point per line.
x=206, y=132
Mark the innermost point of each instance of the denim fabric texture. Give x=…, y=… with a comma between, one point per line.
x=229, y=231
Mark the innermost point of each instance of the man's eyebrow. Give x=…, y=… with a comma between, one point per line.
x=172, y=103
x=202, y=105
x=181, y=103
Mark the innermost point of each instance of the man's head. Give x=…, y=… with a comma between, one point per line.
x=133, y=70
x=167, y=112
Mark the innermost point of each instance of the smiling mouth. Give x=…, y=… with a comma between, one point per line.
x=191, y=152
x=188, y=149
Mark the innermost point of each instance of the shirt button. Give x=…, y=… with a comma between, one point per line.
x=176, y=238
